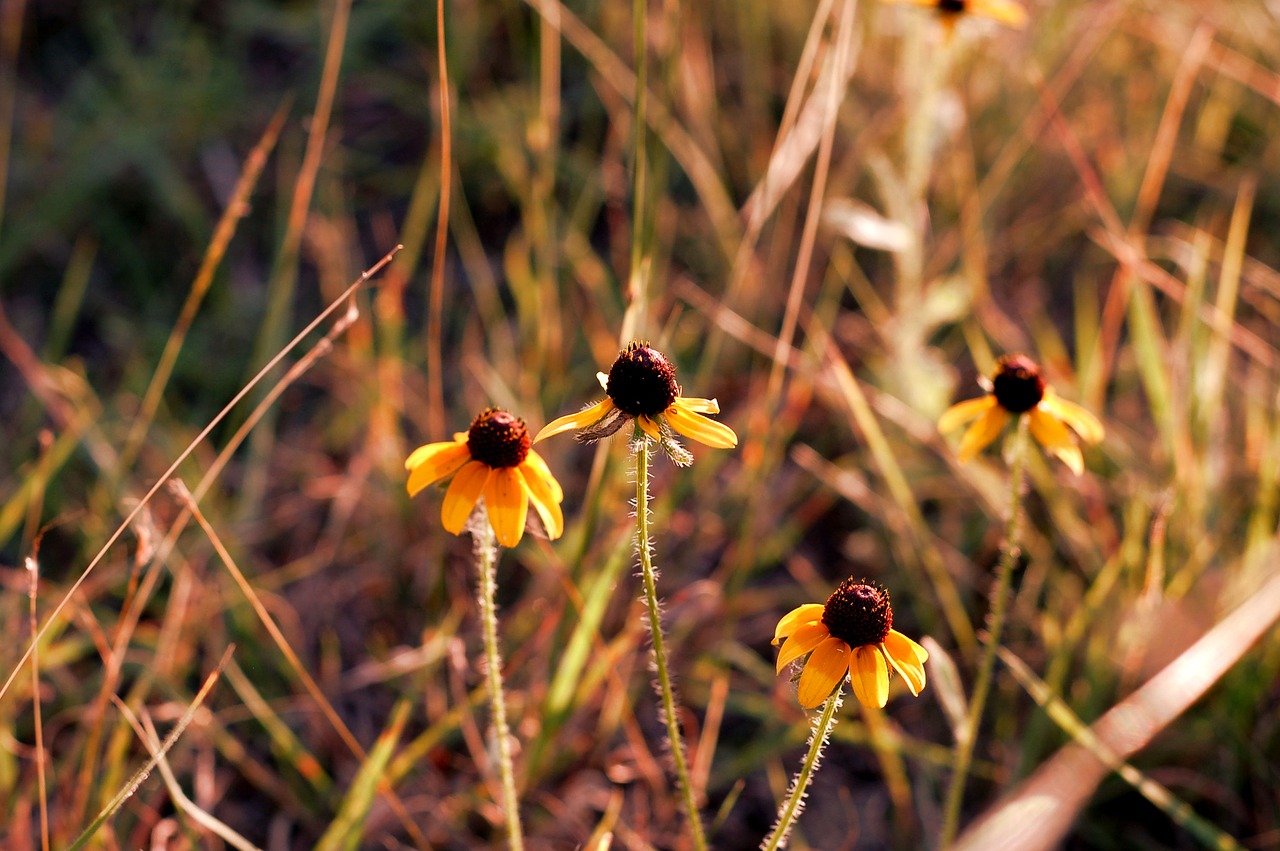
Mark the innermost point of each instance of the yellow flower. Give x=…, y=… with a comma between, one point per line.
x=849, y=634
x=1006, y=12
x=493, y=459
x=1017, y=388
x=641, y=386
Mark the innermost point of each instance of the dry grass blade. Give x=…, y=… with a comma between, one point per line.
x=1040, y=812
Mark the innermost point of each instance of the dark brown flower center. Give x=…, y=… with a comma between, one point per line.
x=858, y=613
x=642, y=382
x=951, y=7
x=498, y=439
x=1017, y=384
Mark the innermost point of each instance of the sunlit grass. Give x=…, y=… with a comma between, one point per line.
x=846, y=216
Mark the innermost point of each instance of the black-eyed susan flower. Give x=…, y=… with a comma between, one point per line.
x=852, y=633
x=1006, y=12
x=1018, y=389
x=641, y=387
x=493, y=459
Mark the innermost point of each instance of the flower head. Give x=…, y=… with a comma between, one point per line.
x=492, y=459
x=641, y=387
x=852, y=633
x=1006, y=12
x=1018, y=389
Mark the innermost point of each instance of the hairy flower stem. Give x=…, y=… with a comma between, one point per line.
x=995, y=624
x=793, y=804
x=486, y=561
x=669, y=708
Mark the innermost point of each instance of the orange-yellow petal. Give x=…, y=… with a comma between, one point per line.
x=1080, y=419
x=796, y=618
x=507, y=502
x=907, y=658
x=535, y=462
x=870, y=676
x=1005, y=11
x=801, y=642
x=825, y=670
x=649, y=427
x=697, y=406
x=700, y=428
x=983, y=432
x=464, y=491
x=442, y=461
x=1054, y=437
x=582, y=419
x=545, y=501
x=962, y=412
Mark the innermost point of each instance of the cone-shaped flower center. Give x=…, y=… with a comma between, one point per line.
x=1017, y=384
x=498, y=439
x=858, y=613
x=951, y=7
x=642, y=382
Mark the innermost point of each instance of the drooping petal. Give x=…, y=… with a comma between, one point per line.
x=1005, y=11
x=796, y=618
x=1055, y=438
x=1080, y=419
x=507, y=502
x=700, y=428
x=540, y=468
x=698, y=406
x=824, y=671
x=962, y=412
x=983, y=432
x=442, y=461
x=649, y=427
x=464, y=491
x=801, y=642
x=544, y=500
x=907, y=658
x=582, y=419
x=870, y=676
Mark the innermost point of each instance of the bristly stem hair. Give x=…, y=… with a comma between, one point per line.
x=794, y=802
x=669, y=707
x=995, y=625
x=486, y=548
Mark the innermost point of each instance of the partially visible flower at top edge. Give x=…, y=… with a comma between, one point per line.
x=852, y=633
x=1006, y=12
x=492, y=459
x=641, y=386
x=1017, y=388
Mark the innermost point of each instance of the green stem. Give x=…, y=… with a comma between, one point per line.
x=999, y=607
x=669, y=708
x=795, y=798
x=486, y=562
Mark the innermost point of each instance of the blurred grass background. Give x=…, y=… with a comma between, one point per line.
x=1099, y=190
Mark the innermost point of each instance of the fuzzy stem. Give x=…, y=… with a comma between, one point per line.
x=669, y=708
x=793, y=804
x=999, y=607
x=486, y=561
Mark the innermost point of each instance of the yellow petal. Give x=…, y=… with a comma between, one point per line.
x=870, y=676
x=1054, y=437
x=1080, y=419
x=649, y=427
x=697, y=406
x=981, y=434
x=796, y=618
x=699, y=428
x=424, y=453
x=582, y=419
x=801, y=642
x=907, y=658
x=545, y=500
x=429, y=467
x=507, y=502
x=1005, y=11
x=534, y=461
x=961, y=412
x=461, y=497
x=823, y=672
